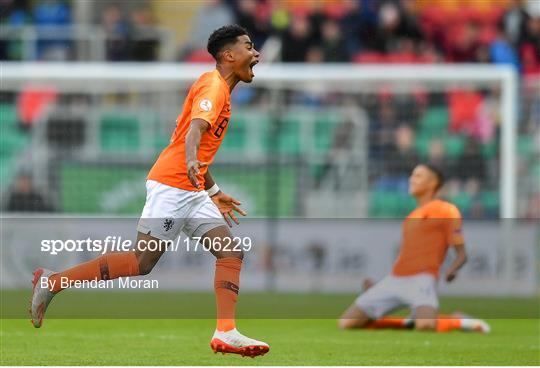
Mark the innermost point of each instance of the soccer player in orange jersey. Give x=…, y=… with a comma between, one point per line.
x=428, y=232
x=182, y=196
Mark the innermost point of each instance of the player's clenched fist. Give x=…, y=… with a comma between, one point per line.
x=193, y=169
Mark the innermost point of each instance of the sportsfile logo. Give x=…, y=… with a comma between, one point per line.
x=109, y=244
x=118, y=244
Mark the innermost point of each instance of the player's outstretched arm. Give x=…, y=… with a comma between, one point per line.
x=193, y=140
x=459, y=261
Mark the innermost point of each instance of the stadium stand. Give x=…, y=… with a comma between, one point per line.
x=458, y=128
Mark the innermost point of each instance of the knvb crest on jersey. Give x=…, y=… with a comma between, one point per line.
x=168, y=224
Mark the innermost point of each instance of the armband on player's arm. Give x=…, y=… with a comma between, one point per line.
x=454, y=226
x=455, y=239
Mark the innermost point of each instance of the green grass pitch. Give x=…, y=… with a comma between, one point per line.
x=138, y=341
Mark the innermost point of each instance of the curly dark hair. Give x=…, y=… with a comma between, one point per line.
x=222, y=37
x=438, y=173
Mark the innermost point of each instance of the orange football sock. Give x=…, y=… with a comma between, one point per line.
x=388, y=322
x=107, y=267
x=226, y=282
x=447, y=323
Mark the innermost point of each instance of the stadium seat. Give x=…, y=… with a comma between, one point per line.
x=435, y=121
x=402, y=58
x=375, y=203
x=494, y=15
x=427, y=57
x=463, y=201
x=406, y=204
x=490, y=200
x=334, y=10
x=463, y=107
x=433, y=15
x=324, y=131
x=454, y=146
x=368, y=58
x=7, y=170
x=12, y=140
x=119, y=131
x=488, y=34
x=160, y=142
x=236, y=134
x=525, y=146
x=422, y=145
x=290, y=139
x=33, y=103
x=489, y=150
x=385, y=204
x=8, y=115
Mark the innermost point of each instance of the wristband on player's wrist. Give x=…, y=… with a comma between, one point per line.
x=212, y=191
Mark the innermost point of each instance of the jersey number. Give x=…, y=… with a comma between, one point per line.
x=221, y=128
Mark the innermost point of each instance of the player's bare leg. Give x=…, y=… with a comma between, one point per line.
x=226, y=338
x=147, y=259
x=46, y=283
x=353, y=317
x=428, y=319
x=425, y=318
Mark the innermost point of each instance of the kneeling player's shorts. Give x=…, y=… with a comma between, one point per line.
x=394, y=292
x=169, y=210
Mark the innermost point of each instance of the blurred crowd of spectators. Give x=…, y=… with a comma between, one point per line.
x=46, y=13
x=135, y=40
x=412, y=31
x=129, y=35
x=498, y=31
x=394, y=149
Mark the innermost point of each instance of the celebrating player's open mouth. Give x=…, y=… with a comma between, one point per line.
x=252, y=59
x=251, y=65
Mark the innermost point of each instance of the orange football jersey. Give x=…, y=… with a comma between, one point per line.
x=427, y=233
x=208, y=99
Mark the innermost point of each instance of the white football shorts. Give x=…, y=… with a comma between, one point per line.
x=169, y=210
x=394, y=292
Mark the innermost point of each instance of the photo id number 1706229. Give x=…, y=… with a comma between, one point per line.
x=228, y=244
